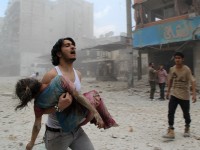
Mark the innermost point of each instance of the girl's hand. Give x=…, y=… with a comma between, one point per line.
x=100, y=123
x=29, y=146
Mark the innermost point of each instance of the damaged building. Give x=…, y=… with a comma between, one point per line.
x=30, y=28
x=166, y=26
x=108, y=60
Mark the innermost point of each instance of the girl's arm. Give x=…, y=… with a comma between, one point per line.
x=83, y=101
x=35, y=131
x=68, y=86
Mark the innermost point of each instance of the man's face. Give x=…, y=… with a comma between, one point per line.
x=178, y=60
x=68, y=52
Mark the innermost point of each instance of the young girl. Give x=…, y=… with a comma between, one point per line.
x=82, y=110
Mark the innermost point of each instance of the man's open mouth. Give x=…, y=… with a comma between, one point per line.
x=73, y=52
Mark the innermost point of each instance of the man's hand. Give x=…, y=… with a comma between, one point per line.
x=167, y=95
x=65, y=101
x=194, y=98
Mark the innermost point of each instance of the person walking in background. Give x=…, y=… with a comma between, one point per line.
x=34, y=75
x=152, y=80
x=162, y=77
x=179, y=79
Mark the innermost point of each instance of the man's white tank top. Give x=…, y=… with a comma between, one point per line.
x=52, y=120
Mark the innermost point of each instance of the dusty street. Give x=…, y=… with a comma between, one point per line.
x=142, y=122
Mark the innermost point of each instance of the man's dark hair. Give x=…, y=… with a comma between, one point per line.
x=179, y=54
x=57, y=48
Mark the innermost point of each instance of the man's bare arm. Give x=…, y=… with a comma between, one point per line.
x=48, y=76
x=169, y=85
x=194, y=91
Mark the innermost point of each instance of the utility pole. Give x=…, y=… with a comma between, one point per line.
x=129, y=43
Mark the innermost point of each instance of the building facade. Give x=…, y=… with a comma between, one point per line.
x=166, y=26
x=109, y=59
x=33, y=26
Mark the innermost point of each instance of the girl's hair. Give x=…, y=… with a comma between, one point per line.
x=57, y=48
x=26, y=89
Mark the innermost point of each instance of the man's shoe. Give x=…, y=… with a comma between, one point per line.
x=187, y=132
x=170, y=134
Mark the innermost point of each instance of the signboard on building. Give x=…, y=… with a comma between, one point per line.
x=170, y=32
